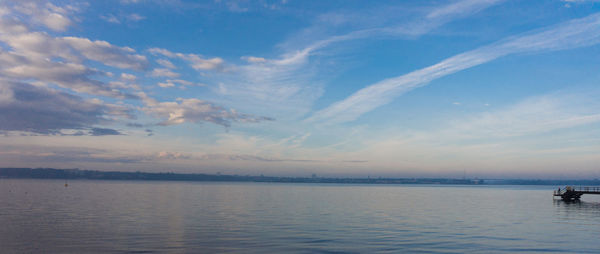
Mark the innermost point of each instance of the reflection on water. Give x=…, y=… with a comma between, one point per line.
x=120, y=216
x=590, y=211
x=577, y=204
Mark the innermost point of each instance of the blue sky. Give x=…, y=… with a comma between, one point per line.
x=337, y=88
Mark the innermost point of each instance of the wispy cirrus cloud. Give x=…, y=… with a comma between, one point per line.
x=531, y=116
x=377, y=22
x=559, y=126
x=575, y=33
x=292, y=79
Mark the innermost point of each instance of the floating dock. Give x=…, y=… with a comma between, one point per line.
x=571, y=193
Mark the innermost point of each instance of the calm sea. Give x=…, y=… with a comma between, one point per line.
x=42, y=216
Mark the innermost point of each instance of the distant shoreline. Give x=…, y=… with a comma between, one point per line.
x=51, y=173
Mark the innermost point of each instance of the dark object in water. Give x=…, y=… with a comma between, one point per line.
x=570, y=193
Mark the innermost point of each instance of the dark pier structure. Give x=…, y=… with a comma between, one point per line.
x=570, y=193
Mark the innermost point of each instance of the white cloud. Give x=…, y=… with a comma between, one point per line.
x=581, y=1
x=61, y=60
x=38, y=56
x=56, y=21
x=135, y=17
x=4, y=11
x=199, y=63
x=461, y=7
x=106, y=53
x=110, y=18
x=166, y=63
x=69, y=75
x=196, y=111
x=172, y=155
x=162, y=72
x=253, y=59
x=166, y=84
x=17, y=36
x=196, y=61
x=164, y=52
x=131, y=1
x=183, y=83
x=128, y=77
x=575, y=33
x=120, y=85
x=49, y=15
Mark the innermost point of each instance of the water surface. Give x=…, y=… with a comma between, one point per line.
x=42, y=216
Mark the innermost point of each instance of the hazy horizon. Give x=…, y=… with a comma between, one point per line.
x=486, y=88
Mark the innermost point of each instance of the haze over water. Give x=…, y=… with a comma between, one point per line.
x=190, y=217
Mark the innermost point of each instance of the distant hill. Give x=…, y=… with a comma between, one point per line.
x=51, y=173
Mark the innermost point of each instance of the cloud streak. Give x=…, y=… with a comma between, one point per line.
x=377, y=26
x=196, y=61
x=290, y=83
x=531, y=116
x=575, y=33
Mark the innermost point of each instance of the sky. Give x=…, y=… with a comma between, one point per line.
x=445, y=88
